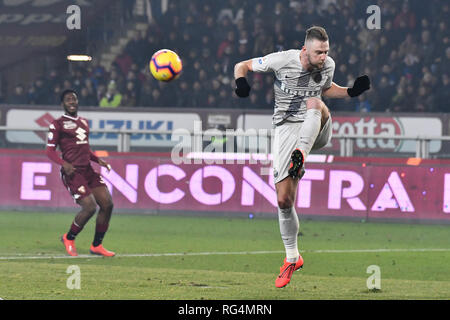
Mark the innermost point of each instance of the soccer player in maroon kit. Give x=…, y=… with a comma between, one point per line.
x=71, y=133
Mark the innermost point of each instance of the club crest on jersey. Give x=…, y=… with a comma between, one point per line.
x=69, y=125
x=275, y=173
x=84, y=122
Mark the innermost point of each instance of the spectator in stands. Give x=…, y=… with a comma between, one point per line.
x=183, y=94
x=385, y=93
x=198, y=96
x=130, y=96
x=56, y=95
x=53, y=79
x=426, y=48
x=405, y=19
x=407, y=46
x=264, y=43
x=443, y=62
x=145, y=97
x=136, y=47
x=123, y=62
x=411, y=64
x=101, y=91
x=19, y=96
x=133, y=86
x=210, y=37
x=442, y=99
x=156, y=98
x=67, y=84
x=424, y=100
x=112, y=98
x=363, y=105
x=398, y=101
x=211, y=101
x=41, y=92
x=87, y=99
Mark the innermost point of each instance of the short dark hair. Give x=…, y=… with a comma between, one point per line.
x=317, y=33
x=67, y=91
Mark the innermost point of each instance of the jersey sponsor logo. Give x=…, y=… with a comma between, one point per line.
x=81, y=136
x=387, y=126
x=102, y=120
x=69, y=125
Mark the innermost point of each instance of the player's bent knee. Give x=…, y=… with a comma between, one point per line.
x=285, y=202
x=315, y=103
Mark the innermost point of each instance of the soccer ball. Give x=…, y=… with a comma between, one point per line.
x=165, y=65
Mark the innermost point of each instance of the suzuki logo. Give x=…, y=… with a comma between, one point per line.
x=81, y=134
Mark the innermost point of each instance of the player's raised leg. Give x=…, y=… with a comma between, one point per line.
x=88, y=208
x=317, y=114
x=104, y=200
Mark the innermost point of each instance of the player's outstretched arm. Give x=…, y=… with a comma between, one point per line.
x=335, y=92
x=240, y=72
x=360, y=85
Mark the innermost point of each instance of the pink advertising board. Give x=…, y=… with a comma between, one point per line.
x=150, y=184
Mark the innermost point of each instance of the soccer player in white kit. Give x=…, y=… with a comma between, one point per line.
x=301, y=120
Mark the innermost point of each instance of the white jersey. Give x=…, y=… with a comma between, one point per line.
x=293, y=85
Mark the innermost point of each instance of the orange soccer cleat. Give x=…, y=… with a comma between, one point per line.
x=99, y=250
x=286, y=271
x=69, y=245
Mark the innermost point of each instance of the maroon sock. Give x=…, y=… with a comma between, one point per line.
x=74, y=230
x=100, y=230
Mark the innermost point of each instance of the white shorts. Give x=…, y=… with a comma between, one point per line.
x=286, y=139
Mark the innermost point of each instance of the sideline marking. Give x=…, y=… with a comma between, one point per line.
x=178, y=254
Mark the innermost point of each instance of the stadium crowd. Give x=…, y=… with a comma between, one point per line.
x=407, y=59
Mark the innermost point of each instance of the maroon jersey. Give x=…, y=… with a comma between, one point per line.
x=72, y=136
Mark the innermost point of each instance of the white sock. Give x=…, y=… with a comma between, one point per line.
x=310, y=130
x=289, y=226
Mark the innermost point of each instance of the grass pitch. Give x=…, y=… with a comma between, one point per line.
x=166, y=257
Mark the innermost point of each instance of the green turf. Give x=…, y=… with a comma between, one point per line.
x=405, y=274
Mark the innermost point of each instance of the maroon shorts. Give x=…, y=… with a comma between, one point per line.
x=82, y=181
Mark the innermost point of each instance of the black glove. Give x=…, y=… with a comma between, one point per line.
x=242, y=87
x=361, y=84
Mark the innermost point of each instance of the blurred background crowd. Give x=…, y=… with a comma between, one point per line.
x=407, y=59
